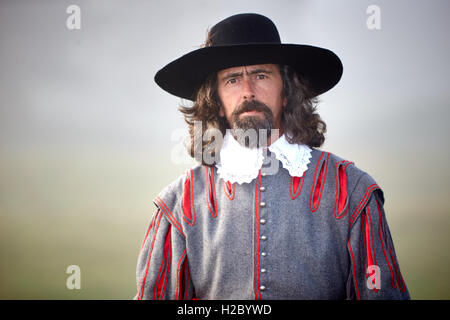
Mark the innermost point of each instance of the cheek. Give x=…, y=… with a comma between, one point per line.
x=226, y=107
x=224, y=102
x=277, y=101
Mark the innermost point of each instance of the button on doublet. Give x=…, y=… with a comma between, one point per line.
x=262, y=221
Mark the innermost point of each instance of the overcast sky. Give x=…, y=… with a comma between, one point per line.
x=95, y=85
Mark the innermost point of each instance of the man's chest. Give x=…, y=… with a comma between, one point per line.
x=269, y=236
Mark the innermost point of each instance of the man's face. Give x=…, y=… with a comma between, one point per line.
x=251, y=96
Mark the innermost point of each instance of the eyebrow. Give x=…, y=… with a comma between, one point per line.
x=239, y=74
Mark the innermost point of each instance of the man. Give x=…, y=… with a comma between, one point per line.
x=267, y=215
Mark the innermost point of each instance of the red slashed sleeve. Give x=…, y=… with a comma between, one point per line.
x=162, y=270
x=374, y=269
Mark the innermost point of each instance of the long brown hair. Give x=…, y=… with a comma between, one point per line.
x=299, y=120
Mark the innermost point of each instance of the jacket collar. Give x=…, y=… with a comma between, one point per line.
x=240, y=164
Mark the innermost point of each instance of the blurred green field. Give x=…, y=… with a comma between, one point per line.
x=92, y=210
x=59, y=209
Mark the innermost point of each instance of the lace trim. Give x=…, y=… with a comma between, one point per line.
x=241, y=164
x=294, y=157
x=241, y=177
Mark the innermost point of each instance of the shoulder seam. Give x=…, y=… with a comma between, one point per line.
x=169, y=215
x=357, y=182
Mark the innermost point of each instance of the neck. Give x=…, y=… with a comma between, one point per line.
x=274, y=137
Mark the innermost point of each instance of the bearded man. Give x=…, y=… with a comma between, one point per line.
x=267, y=215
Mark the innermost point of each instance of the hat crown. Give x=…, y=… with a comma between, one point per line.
x=247, y=28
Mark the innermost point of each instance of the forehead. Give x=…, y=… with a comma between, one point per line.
x=270, y=67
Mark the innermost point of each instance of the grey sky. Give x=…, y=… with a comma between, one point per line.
x=96, y=84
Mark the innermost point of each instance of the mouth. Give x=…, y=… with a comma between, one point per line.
x=250, y=113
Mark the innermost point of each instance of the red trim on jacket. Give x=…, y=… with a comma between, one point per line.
x=152, y=225
x=319, y=182
x=187, y=204
x=142, y=286
x=229, y=189
x=169, y=215
x=363, y=202
x=182, y=278
x=370, y=257
x=358, y=297
x=400, y=281
x=296, y=186
x=382, y=240
x=341, y=203
x=211, y=199
x=164, y=268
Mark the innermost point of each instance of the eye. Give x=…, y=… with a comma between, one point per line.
x=232, y=81
x=261, y=76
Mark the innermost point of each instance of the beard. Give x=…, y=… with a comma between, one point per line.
x=252, y=131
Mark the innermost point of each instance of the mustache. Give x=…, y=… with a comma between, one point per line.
x=252, y=105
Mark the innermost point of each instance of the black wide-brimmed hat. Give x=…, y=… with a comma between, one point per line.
x=248, y=39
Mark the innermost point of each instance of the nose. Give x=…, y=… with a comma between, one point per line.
x=248, y=92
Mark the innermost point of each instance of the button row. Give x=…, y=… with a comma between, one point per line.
x=263, y=237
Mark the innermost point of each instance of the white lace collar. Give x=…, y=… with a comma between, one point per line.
x=241, y=165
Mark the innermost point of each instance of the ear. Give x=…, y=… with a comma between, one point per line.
x=284, y=102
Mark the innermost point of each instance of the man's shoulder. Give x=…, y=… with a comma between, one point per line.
x=172, y=199
x=335, y=161
x=174, y=190
x=341, y=166
x=359, y=183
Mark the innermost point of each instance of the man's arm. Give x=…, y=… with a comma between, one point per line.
x=162, y=270
x=375, y=272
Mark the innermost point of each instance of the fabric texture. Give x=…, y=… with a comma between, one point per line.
x=323, y=235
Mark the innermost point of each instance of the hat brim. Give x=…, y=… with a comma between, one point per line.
x=184, y=76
